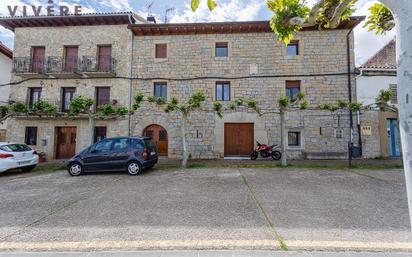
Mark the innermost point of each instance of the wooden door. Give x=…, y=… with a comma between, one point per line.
x=71, y=59
x=239, y=139
x=105, y=58
x=66, y=142
x=159, y=137
x=38, y=56
x=2, y=135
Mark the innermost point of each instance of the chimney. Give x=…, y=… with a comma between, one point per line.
x=151, y=19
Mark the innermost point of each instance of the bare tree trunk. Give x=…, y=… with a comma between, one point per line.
x=183, y=127
x=90, y=130
x=402, y=10
x=283, y=143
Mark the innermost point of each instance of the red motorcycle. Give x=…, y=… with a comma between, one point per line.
x=266, y=151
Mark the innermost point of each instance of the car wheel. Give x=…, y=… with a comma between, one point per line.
x=75, y=169
x=134, y=168
x=28, y=168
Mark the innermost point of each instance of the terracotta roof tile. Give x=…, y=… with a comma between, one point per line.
x=384, y=59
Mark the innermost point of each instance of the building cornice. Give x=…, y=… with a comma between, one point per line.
x=221, y=27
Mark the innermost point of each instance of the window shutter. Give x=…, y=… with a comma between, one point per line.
x=103, y=95
x=394, y=90
x=161, y=51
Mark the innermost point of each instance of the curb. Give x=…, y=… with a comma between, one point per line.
x=208, y=245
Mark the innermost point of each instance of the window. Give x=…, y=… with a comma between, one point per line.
x=31, y=136
x=394, y=89
x=38, y=59
x=105, y=58
x=102, y=95
x=293, y=138
x=67, y=96
x=160, y=90
x=100, y=133
x=222, y=49
x=293, y=48
x=34, y=95
x=292, y=89
x=223, y=91
x=120, y=144
x=70, y=59
x=102, y=147
x=161, y=51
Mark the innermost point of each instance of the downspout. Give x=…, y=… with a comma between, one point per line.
x=350, y=143
x=129, y=132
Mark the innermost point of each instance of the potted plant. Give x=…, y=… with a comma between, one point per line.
x=42, y=156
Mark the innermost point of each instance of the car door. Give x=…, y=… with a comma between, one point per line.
x=121, y=152
x=97, y=157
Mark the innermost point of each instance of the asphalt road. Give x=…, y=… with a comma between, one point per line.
x=205, y=209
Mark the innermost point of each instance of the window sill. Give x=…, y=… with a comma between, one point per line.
x=161, y=59
x=222, y=58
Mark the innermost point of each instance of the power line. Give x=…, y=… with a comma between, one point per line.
x=196, y=78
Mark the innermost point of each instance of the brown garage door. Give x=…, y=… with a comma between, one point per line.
x=239, y=139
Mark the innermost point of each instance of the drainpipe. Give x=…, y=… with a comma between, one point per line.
x=350, y=143
x=130, y=87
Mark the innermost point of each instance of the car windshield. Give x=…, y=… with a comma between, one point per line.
x=15, y=148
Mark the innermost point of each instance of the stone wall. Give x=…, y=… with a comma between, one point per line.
x=54, y=39
x=192, y=56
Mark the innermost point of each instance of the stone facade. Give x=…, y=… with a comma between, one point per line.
x=192, y=56
x=87, y=38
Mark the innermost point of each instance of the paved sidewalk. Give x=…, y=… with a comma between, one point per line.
x=206, y=254
x=207, y=209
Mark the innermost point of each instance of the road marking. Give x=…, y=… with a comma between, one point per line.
x=277, y=236
x=207, y=245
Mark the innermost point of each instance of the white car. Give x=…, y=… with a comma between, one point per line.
x=17, y=156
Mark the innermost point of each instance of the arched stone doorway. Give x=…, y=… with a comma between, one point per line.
x=159, y=136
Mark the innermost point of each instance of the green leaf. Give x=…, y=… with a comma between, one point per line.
x=211, y=4
x=195, y=5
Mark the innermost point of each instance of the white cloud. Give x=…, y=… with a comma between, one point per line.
x=368, y=43
x=117, y=5
x=233, y=10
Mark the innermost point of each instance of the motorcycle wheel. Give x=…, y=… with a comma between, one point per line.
x=276, y=155
x=254, y=155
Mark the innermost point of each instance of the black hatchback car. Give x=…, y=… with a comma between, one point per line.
x=131, y=154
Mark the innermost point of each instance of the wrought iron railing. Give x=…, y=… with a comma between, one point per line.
x=57, y=64
x=98, y=64
x=28, y=65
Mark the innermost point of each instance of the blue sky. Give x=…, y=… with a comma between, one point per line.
x=366, y=43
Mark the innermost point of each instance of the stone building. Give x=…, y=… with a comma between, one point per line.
x=58, y=57
x=381, y=137
x=6, y=56
x=243, y=60
x=225, y=60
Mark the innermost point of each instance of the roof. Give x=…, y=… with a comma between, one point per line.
x=6, y=51
x=87, y=19
x=220, y=27
x=384, y=58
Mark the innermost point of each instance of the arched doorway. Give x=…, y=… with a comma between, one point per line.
x=159, y=136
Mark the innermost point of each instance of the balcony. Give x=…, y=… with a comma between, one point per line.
x=27, y=67
x=59, y=67
x=103, y=67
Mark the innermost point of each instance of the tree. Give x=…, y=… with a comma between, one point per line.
x=291, y=16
